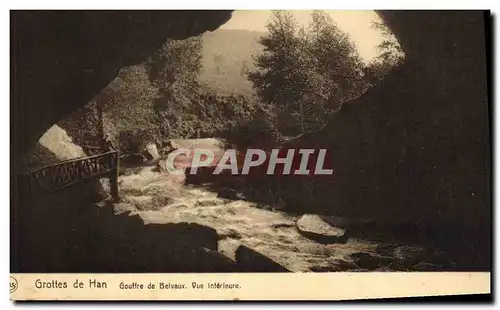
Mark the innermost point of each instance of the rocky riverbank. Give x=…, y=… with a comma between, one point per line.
x=159, y=198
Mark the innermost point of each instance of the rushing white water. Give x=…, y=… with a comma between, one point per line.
x=161, y=198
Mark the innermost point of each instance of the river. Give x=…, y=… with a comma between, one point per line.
x=162, y=198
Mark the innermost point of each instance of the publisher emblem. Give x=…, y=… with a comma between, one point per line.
x=13, y=284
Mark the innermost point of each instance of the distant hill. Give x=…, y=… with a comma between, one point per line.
x=226, y=55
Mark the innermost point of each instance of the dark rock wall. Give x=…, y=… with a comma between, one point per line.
x=416, y=147
x=61, y=59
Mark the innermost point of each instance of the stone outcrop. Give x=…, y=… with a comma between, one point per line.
x=58, y=142
x=54, y=146
x=152, y=152
x=314, y=227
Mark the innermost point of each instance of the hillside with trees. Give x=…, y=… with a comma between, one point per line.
x=234, y=84
x=227, y=56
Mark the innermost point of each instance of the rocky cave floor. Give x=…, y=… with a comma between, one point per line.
x=159, y=198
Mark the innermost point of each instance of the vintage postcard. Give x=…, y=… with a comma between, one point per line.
x=249, y=154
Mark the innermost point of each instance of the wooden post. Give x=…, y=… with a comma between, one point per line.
x=113, y=178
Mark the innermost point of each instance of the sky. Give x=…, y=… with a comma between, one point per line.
x=356, y=23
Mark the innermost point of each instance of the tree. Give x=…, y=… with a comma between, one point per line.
x=390, y=50
x=277, y=78
x=306, y=73
x=336, y=65
x=174, y=69
x=391, y=56
x=124, y=105
x=280, y=77
x=128, y=104
x=134, y=96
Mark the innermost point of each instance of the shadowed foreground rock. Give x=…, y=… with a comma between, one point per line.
x=252, y=261
x=313, y=227
x=55, y=236
x=60, y=61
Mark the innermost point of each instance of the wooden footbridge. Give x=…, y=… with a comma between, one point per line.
x=50, y=179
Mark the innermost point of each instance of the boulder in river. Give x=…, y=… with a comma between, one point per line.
x=314, y=227
x=162, y=165
x=151, y=152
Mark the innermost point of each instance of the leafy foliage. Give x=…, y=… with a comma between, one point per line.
x=280, y=77
x=299, y=77
x=174, y=70
x=306, y=73
x=257, y=132
x=336, y=74
x=391, y=56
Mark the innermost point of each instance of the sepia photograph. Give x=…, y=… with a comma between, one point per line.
x=249, y=141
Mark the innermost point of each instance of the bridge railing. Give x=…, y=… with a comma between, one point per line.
x=50, y=179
